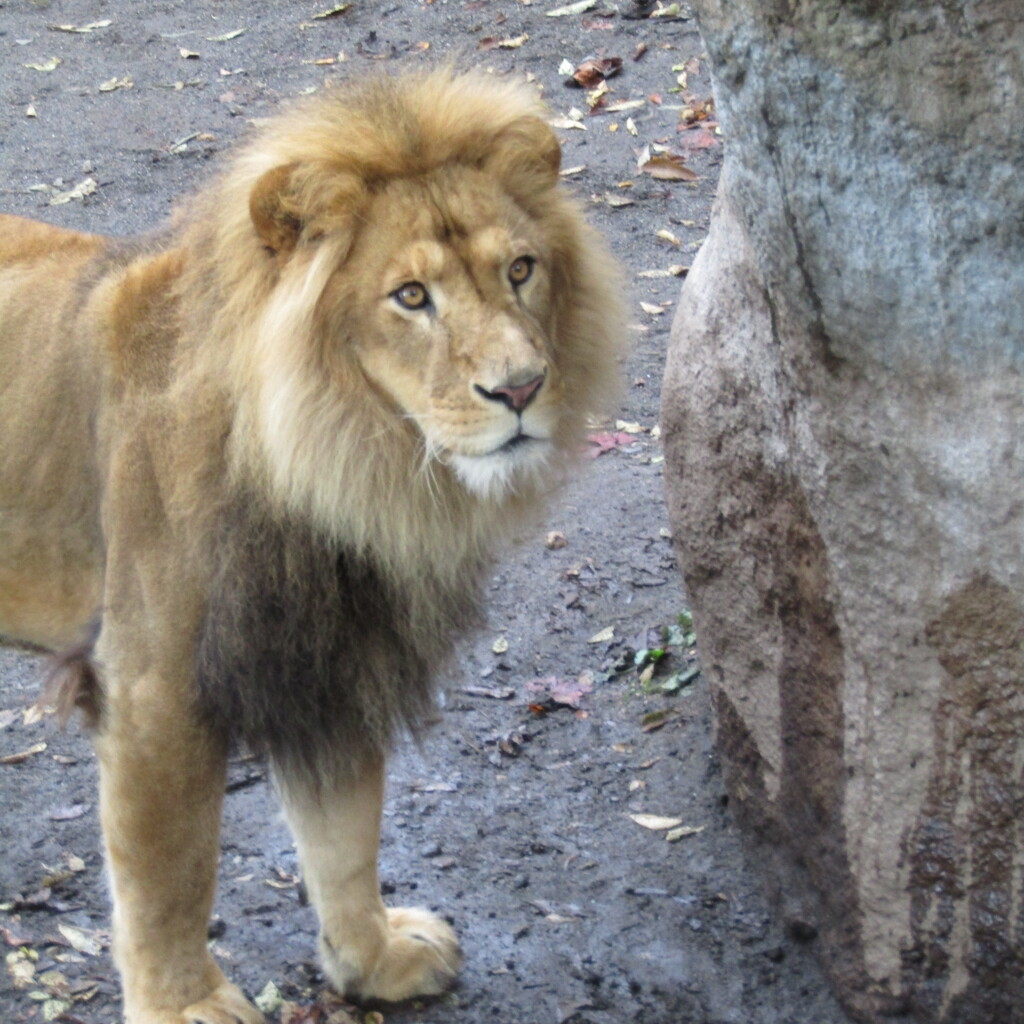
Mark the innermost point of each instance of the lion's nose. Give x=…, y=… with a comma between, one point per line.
x=516, y=396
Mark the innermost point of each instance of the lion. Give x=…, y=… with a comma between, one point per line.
x=260, y=459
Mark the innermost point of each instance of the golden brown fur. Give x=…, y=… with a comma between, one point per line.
x=272, y=448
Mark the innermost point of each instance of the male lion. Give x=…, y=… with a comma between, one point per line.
x=266, y=453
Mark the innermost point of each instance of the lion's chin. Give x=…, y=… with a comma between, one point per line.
x=518, y=464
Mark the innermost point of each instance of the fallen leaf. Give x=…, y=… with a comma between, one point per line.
x=629, y=426
x=13, y=938
x=595, y=70
x=666, y=167
x=597, y=97
x=36, y=713
x=30, y=111
x=696, y=137
x=671, y=11
x=656, y=719
x=80, y=191
x=500, y=646
x=698, y=110
x=649, y=307
x=269, y=999
x=655, y=822
x=435, y=787
x=675, y=270
x=559, y=690
x=606, y=442
x=577, y=8
x=675, y=834
x=91, y=27
x=603, y=636
x=21, y=969
x=621, y=106
x=91, y=943
x=232, y=35
x=333, y=12
x=50, y=65
x=614, y=201
x=667, y=236
x=188, y=54
x=641, y=49
x=24, y=755
x=508, y=43
x=555, y=541
x=503, y=693
x=54, y=1009
x=69, y=813
x=631, y=127
x=565, y=123
x=116, y=83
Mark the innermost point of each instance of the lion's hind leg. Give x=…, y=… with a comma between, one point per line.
x=368, y=950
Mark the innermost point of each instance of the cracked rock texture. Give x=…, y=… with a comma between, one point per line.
x=844, y=424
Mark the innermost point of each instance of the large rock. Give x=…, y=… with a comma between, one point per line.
x=844, y=422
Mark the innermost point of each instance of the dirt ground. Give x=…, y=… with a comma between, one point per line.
x=514, y=816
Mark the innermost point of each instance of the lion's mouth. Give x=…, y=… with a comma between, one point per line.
x=516, y=441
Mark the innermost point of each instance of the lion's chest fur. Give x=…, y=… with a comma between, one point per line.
x=309, y=651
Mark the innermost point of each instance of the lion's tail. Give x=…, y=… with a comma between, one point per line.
x=73, y=682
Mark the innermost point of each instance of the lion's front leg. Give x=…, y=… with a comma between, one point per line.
x=161, y=786
x=368, y=950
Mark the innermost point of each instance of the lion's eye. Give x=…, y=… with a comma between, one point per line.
x=520, y=270
x=411, y=295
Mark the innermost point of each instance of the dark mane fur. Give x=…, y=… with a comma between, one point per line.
x=308, y=653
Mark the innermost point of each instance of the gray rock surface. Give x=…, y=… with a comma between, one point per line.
x=843, y=414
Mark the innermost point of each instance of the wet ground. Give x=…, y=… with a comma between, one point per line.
x=514, y=818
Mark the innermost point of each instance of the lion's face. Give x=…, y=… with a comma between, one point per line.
x=452, y=323
x=426, y=321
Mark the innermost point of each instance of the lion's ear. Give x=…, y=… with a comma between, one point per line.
x=526, y=157
x=273, y=211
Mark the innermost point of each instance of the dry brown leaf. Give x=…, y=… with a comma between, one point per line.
x=595, y=70
x=666, y=167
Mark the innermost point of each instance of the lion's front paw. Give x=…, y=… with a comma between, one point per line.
x=418, y=957
x=224, y=1005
